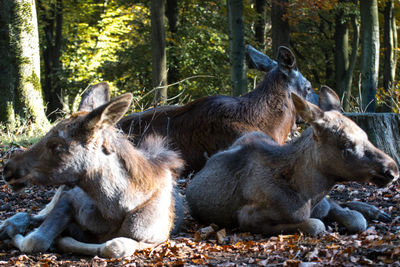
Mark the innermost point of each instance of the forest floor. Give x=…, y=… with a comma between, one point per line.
x=199, y=244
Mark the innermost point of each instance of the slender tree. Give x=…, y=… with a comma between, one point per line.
x=51, y=51
x=236, y=47
x=279, y=25
x=341, y=52
x=159, y=54
x=20, y=63
x=259, y=26
x=370, y=53
x=171, y=13
x=344, y=65
x=390, y=45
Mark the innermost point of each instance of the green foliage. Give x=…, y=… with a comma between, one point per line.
x=23, y=133
x=109, y=40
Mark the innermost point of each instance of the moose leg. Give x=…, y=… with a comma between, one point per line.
x=370, y=212
x=41, y=216
x=256, y=220
x=179, y=211
x=20, y=222
x=40, y=239
x=353, y=220
x=321, y=209
x=114, y=248
x=16, y=224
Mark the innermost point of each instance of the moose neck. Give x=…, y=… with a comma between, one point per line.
x=271, y=109
x=309, y=178
x=109, y=176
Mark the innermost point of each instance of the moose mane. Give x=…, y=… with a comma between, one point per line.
x=146, y=163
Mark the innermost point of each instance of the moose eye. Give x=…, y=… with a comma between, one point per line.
x=56, y=145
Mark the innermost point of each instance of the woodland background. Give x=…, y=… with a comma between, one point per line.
x=174, y=51
x=51, y=50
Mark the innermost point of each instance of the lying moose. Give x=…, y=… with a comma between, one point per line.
x=264, y=187
x=124, y=197
x=212, y=123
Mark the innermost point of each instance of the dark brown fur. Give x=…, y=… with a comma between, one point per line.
x=209, y=124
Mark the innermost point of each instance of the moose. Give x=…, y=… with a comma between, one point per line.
x=212, y=123
x=264, y=187
x=114, y=198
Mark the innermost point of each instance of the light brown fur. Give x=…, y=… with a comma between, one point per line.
x=265, y=187
x=123, y=195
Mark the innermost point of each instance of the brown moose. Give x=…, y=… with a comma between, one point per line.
x=209, y=124
x=124, y=197
x=265, y=187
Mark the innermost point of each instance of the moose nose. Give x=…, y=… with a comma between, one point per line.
x=10, y=173
x=7, y=175
x=394, y=172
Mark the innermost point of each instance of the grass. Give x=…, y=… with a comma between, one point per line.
x=23, y=135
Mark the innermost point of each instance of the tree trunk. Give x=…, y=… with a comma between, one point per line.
x=236, y=47
x=370, y=53
x=52, y=88
x=22, y=95
x=279, y=25
x=383, y=130
x=260, y=22
x=173, y=63
x=341, y=54
x=344, y=65
x=159, y=54
x=390, y=45
x=352, y=62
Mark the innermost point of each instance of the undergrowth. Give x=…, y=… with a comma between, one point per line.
x=22, y=135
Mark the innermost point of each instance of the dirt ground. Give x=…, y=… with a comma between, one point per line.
x=199, y=244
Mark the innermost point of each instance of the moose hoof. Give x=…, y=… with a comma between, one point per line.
x=313, y=227
x=354, y=221
x=119, y=247
x=33, y=242
x=17, y=224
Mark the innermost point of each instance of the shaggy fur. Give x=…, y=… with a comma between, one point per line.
x=124, y=197
x=209, y=124
x=265, y=187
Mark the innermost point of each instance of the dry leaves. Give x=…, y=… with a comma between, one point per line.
x=210, y=245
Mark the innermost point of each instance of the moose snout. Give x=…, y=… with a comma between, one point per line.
x=392, y=172
x=15, y=177
x=388, y=174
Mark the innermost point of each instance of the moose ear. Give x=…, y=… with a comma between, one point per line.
x=286, y=60
x=328, y=99
x=257, y=60
x=109, y=113
x=307, y=111
x=94, y=97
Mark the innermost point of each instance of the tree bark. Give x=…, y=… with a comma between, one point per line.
x=260, y=22
x=344, y=65
x=279, y=25
x=51, y=51
x=159, y=54
x=22, y=95
x=236, y=47
x=370, y=53
x=352, y=62
x=341, y=54
x=390, y=45
x=383, y=130
x=171, y=13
